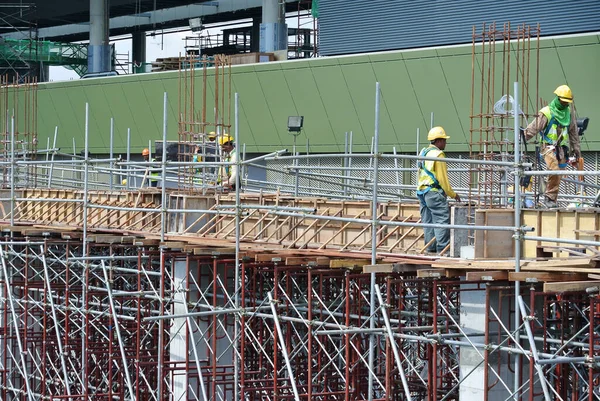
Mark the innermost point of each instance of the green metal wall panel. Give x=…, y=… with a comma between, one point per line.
x=335, y=95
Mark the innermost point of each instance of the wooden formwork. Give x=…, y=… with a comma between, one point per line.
x=54, y=206
x=292, y=223
x=301, y=229
x=577, y=224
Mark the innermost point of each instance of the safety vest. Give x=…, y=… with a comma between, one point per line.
x=550, y=133
x=154, y=174
x=427, y=179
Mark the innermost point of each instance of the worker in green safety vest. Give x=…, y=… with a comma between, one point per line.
x=153, y=176
x=228, y=175
x=557, y=126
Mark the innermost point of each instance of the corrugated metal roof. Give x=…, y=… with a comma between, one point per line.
x=362, y=26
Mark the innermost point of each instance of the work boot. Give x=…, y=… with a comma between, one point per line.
x=549, y=203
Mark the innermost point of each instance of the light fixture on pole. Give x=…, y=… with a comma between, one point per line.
x=294, y=127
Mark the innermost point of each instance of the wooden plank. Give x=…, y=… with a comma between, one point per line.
x=570, y=286
x=128, y=239
x=564, y=262
x=174, y=244
x=535, y=277
x=561, y=269
x=146, y=242
x=594, y=276
x=305, y=260
x=459, y=264
x=431, y=273
x=453, y=273
x=214, y=251
x=548, y=251
x=107, y=239
x=71, y=235
x=269, y=257
x=382, y=268
x=487, y=275
x=391, y=268
x=35, y=232
x=348, y=263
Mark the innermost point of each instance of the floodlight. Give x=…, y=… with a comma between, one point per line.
x=195, y=24
x=582, y=125
x=295, y=123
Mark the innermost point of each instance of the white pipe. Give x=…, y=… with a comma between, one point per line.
x=118, y=331
x=283, y=347
x=392, y=341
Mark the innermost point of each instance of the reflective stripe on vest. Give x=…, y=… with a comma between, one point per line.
x=154, y=174
x=424, y=179
x=550, y=134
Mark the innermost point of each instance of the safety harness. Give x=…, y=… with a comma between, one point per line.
x=421, y=166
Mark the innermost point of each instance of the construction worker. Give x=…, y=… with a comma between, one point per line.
x=153, y=176
x=228, y=176
x=557, y=125
x=433, y=188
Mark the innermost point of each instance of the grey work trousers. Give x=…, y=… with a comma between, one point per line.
x=435, y=210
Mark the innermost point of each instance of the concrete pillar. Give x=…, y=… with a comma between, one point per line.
x=255, y=36
x=472, y=320
x=99, y=59
x=138, y=51
x=178, y=335
x=273, y=30
x=458, y=238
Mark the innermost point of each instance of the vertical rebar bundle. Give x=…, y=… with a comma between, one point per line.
x=500, y=56
x=194, y=120
x=18, y=113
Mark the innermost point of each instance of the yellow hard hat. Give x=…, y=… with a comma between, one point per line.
x=212, y=135
x=225, y=139
x=437, y=133
x=564, y=93
x=124, y=182
x=146, y=152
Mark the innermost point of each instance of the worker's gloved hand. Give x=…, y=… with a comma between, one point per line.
x=573, y=161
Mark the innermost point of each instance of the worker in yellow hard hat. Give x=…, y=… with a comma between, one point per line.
x=557, y=126
x=433, y=188
x=153, y=175
x=228, y=176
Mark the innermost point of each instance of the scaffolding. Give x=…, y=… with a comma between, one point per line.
x=171, y=294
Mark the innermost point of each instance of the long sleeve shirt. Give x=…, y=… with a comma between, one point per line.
x=440, y=170
x=539, y=124
x=230, y=173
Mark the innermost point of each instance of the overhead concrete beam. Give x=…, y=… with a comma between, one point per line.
x=146, y=19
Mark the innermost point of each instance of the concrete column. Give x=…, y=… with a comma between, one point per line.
x=273, y=30
x=177, y=331
x=472, y=320
x=138, y=50
x=255, y=36
x=99, y=49
x=458, y=238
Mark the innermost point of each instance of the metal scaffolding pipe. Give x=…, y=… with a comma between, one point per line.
x=393, y=344
x=283, y=347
